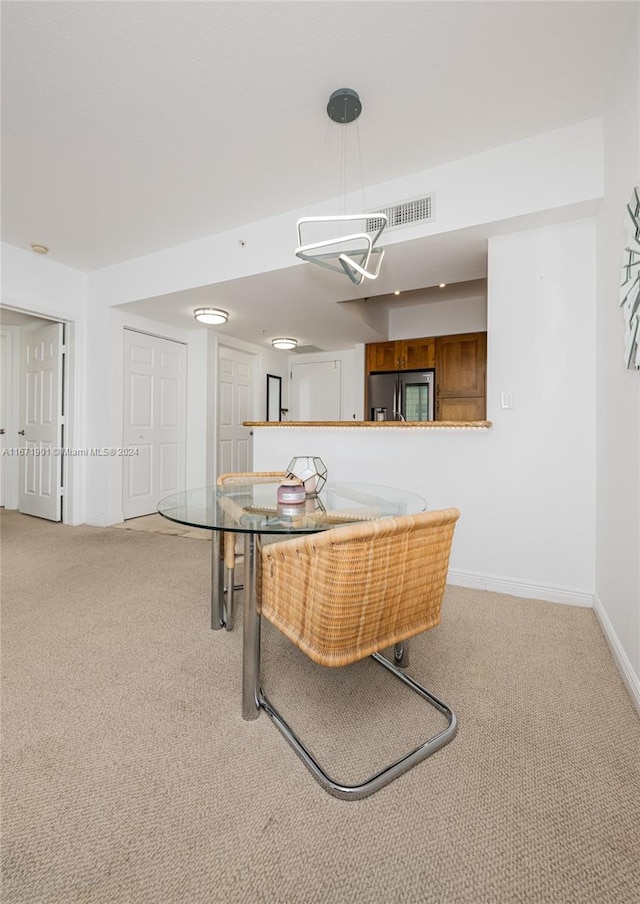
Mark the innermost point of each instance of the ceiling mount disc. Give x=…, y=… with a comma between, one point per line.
x=344, y=105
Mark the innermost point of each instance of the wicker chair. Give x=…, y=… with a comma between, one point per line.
x=353, y=591
x=228, y=550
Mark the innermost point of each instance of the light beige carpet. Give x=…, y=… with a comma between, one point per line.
x=129, y=776
x=156, y=524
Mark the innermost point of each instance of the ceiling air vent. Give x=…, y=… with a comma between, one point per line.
x=420, y=210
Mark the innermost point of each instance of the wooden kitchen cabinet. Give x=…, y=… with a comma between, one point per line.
x=460, y=363
x=382, y=356
x=416, y=354
x=461, y=409
x=403, y=354
x=461, y=368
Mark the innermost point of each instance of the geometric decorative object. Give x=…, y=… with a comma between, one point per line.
x=630, y=288
x=349, y=254
x=311, y=470
x=320, y=238
x=210, y=315
x=284, y=343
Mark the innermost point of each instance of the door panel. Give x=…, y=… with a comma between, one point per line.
x=154, y=420
x=5, y=415
x=41, y=404
x=236, y=394
x=169, y=460
x=316, y=391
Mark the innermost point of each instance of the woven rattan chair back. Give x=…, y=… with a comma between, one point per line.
x=346, y=593
x=352, y=591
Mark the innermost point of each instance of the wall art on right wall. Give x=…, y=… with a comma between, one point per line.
x=630, y=288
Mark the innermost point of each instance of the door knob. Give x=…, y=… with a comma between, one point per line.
x=2, y=430
x=20, y=432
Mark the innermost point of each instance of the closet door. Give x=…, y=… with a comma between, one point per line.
x=154, y=421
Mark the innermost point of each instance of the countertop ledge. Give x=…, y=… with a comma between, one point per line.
x=378, y=425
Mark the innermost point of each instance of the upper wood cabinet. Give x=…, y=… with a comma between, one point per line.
x=461, y=364
x=403, y=354
x=382, y=356
x=417, y=353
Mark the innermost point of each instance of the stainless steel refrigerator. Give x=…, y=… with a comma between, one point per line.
x=401, y=396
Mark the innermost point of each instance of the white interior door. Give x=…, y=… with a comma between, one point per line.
x=235, y=396
x=155, y=392
x=316, y=391
x=5, y=416
x=40, y=465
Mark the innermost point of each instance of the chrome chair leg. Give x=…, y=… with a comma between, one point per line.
x=390, y=772
x=401, y=654
x=230, y=600
x=250, y=634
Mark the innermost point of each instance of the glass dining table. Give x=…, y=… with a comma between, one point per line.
x=252, y=510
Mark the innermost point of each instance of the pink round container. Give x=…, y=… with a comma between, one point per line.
x=290, y=493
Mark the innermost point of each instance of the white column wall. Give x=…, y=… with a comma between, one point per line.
x=618, y=390
x=525, y=487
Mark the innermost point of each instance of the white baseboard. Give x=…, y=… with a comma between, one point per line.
x=551, y=594
x=629, y=677
x=104, y=520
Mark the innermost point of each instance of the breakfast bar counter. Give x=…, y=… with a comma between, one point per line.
x=374, y=425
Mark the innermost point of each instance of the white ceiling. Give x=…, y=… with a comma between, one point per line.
x=129, y=127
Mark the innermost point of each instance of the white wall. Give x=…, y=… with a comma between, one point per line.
x=548, y=172
x=618, y=389
x=439, y=318
x=40, y=285
x=525, y=487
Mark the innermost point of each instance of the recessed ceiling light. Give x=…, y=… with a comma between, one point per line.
x=442, y=285
x=39, y=249
x=397, y=292
x=211, y=316
x=284, y=343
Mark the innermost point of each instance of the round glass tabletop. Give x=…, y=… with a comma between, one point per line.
x=253, y=507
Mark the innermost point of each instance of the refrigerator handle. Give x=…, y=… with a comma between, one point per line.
x=397, y=402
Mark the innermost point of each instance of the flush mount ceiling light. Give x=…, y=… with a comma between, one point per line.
x=284, y=343
x=38, y=248
x=212, y=316
x=354, y=255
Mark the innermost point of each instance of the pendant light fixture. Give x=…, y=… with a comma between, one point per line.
x=356, y=254
x=210, y=316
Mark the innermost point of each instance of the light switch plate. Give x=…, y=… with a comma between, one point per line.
x=506, y=400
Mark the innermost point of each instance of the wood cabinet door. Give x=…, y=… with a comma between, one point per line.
x=473, y=409
x=417, y=353
x=461, y=366
x=382, y=356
